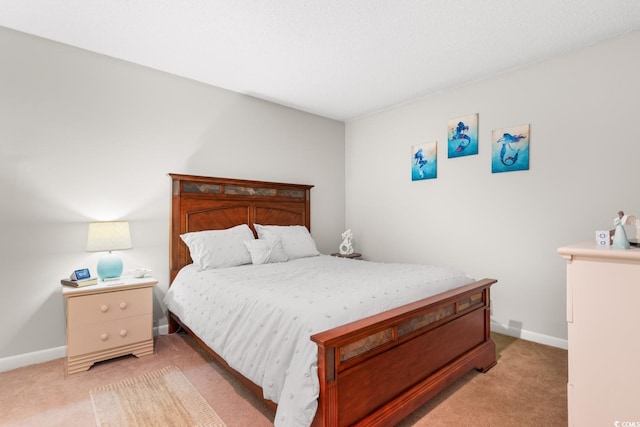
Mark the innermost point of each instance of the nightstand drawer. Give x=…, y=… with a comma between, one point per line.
x=86, y=338
x=109, y=306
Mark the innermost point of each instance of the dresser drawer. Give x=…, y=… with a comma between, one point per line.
x=109, y=306
x=90, y=337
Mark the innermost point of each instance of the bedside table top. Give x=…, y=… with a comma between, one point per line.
x=125, y=282
x=353, y=255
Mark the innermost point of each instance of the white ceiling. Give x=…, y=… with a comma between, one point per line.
x=336, y=58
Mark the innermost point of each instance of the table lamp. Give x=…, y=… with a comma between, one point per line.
x=109, y=236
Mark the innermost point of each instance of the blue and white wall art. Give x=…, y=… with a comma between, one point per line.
x=510, y=149
x=462, y=136
x=424, y=161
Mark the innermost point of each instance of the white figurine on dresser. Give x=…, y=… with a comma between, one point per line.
x=620, y=240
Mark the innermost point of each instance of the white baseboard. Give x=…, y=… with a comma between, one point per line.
x=20, y=360
x=529, y=335
x=13, y=362
x=41, y=356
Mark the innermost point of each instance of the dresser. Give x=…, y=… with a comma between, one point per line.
x=108, y=320
x=603, y=318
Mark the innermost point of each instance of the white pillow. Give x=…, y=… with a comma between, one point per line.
x=219, y=248
x=296, y=240
x=265, y=251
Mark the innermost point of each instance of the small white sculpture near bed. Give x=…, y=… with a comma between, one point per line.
x=346, y=247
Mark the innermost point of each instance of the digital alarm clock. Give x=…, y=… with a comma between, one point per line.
x=81, y=274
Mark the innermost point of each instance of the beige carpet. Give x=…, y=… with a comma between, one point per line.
x=163, y=397
x=527, y=388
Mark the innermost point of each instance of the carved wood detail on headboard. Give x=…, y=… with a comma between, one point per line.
x=205, y=203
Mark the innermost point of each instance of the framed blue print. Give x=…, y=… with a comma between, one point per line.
x=424, y=161
x=510, y=149
x=462, y=136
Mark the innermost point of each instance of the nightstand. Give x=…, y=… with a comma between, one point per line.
x=354, y=255
x=107, y=320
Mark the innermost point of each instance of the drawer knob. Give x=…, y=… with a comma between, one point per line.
x=123, y=305
x=104, y=308
x=104, y=337
x=123, y=333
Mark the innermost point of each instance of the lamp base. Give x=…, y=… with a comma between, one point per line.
x=109, y=267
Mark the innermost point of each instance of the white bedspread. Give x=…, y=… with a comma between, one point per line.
x=259, y=317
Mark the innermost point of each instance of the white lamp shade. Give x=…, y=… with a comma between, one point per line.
x=108, y=236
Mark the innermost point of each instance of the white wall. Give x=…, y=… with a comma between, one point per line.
x=585, y=159
x=86, y=137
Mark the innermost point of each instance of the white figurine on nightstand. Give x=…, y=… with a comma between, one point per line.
x=346, y=247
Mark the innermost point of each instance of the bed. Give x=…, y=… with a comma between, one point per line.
x=371, y=371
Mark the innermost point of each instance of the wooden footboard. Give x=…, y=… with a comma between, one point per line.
x=378, y=370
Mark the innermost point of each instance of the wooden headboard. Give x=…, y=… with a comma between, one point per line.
x=203, y=203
